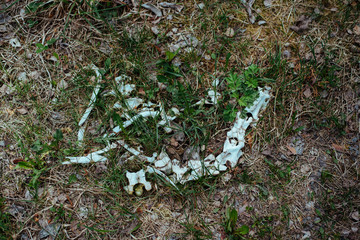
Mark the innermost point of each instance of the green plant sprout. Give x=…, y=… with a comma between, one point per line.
x=231, y=217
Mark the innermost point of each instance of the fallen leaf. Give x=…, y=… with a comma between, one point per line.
x=141, y=92
x=10, y=112
x=174, y=6
x=230, y=32
x=17, y=160
x=291, y=149
x=249, y=140
x=155, y=30
x=3, y=28
x=305, y=168
x=307, y=93
x=339, y=148
x=173, y=142
x=152, y=8
x=248, y=7
x=355, y=216
x=22, y=111
x=356, y=29
x=50, y=230
x=301, y=25
x=266, y=152
x=14, y=42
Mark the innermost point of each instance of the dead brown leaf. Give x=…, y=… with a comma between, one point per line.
x=291, y=149
x=356, y=29
x=339, y=148
x=173, y=142
x=141, y=92
x=301, y=25
x=17, y=160
x=22, y=111
x=307, y=93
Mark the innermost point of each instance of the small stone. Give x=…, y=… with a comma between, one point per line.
x=2, y=143
x=207, y=57
x=354, y=229
x=262, y=22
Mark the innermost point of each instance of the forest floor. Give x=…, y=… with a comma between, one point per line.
x=298, y=177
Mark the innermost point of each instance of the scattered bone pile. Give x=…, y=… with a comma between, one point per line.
x=162, y=164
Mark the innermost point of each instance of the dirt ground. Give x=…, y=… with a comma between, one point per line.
x=298, y=177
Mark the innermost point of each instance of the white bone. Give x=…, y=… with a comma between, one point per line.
x=136, y=178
